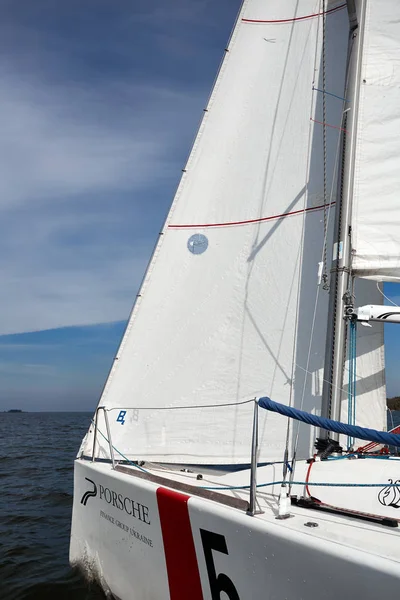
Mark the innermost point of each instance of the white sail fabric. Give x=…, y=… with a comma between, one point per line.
x=376, y=214
x=225, y=313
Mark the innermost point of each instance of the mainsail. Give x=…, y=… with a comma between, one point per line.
x=376, y=220
x=230, y=307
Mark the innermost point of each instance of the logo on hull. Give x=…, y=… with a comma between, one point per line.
x=90, y=493
x=390, y=495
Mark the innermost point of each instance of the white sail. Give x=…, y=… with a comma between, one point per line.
x=376, y=215
x=225, y=313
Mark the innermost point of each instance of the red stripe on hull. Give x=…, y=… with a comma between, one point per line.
x=180, y=554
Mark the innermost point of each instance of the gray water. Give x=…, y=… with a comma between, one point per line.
x=37, y=452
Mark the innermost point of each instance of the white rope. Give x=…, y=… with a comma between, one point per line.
x=386, y=298
x=306, y=185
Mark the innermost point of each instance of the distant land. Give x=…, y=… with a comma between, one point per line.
x=394, y=403
x=14, y=410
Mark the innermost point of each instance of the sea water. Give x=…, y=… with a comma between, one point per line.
x=37, y=453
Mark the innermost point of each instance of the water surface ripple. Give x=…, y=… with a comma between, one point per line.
x=37, y=451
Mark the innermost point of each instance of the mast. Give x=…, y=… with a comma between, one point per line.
x=340, y=280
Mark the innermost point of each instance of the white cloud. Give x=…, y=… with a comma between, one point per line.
x=58, y=141
x=72, y=172
x=96, y=117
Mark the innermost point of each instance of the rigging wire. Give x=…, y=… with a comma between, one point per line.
x=315, y=89
x=323, y=380
x=307, y=483
x=325, y=241
x=221, y=487
x=351, y=394
x=325, y=285
x=301, y=251
x=386, y=298
x=288, y=427
x=307, y=371
x=188, y=407
x=120, y=453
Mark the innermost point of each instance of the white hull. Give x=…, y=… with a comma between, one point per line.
x=179, y=546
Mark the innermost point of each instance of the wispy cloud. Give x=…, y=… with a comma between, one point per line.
x=68, y=182
x=57, y=141
x=96, y=115
x=177, y=10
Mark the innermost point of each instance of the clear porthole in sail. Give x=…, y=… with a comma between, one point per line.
x=197, y=243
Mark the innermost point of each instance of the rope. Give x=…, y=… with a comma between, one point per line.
x=328, y=125
x=294, y=363
x=323, y=254
x=354, y=333
x=360, y=455
x=351, y=394
x=323, y=380
x=386, y=298
x=292, y=20
x=261, y=485
x=391, y=417
x=120, y=453
x=325, y=285
x=248, y=221
x=180, y=407
x=301, y=255
x=330, y=94
x=305, y=483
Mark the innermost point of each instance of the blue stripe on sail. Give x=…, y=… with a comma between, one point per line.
x=364, y=433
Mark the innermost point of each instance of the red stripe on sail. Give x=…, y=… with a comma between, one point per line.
x=292, y=20
x=249, y=221
x=180, y=553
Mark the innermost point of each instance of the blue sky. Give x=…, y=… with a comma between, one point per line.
x=99, y=101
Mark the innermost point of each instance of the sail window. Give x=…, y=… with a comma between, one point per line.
x=197, y=243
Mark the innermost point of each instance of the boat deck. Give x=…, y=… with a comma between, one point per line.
x=346, y=530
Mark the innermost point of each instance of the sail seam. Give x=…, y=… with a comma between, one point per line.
x=293, y=19
x=250, y=221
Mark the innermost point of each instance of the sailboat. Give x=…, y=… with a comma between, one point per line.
x=239, y=448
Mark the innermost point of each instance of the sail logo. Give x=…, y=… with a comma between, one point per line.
x=390, y=495
x=121, y=417
x=90, y=493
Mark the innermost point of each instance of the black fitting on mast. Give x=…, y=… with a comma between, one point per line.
x=327, y=446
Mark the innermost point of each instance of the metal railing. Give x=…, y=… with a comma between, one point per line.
x=252, y=510
x=103, y=408
x=253, y=464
